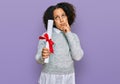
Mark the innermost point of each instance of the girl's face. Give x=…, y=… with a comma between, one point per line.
x=60, y=18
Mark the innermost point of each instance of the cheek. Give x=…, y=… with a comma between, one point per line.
x=57, y=24
x=66, y=20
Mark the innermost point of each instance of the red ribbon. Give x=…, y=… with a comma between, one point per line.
x=50, y=42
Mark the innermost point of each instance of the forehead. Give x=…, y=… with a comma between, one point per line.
x=58, y=11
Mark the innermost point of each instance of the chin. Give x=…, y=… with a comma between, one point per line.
x=59, y=29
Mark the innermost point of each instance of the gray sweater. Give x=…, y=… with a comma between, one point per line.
x=66, y=49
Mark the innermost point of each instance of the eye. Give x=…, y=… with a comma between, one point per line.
x=63, y=15
x=56, y=17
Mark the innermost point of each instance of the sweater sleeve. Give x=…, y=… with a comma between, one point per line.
x=38, y=56
x=75, y=47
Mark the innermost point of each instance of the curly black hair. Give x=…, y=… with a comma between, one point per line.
x=68, y=9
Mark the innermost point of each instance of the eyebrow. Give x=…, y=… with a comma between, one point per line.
x=61, y=14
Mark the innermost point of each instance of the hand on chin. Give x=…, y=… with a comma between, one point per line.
x=65, y=28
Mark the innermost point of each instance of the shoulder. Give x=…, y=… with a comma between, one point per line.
x=71, y=34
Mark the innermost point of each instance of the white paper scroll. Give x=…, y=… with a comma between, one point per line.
x=49, y=32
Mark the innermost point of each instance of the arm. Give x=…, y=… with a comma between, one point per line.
x=38, y=56
x=74, y=44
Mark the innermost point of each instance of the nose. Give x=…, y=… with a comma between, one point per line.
x=61, y=19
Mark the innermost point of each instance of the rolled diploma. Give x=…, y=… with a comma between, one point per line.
x=49, y=32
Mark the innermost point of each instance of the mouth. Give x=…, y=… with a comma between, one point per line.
x=63, y=24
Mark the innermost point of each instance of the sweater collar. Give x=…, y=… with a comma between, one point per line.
x=56, y=30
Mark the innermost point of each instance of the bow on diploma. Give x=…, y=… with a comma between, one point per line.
x=50, y=42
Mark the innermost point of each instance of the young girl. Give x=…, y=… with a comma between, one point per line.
x=67, y=49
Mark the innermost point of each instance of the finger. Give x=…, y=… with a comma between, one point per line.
x=67, y=25
x=45, y=49
x=45, y=55
x=66, y=29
